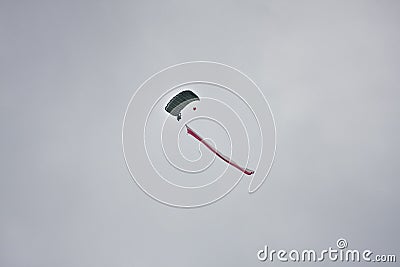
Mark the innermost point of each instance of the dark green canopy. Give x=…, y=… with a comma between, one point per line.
x=179, y=102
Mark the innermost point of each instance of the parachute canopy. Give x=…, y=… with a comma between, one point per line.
x=179, y=102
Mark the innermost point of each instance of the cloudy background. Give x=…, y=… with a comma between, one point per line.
x=330, y=70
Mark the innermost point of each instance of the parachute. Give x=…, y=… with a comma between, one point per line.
x=179, y=102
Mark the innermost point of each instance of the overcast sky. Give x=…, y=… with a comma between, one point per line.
x=329, y=69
